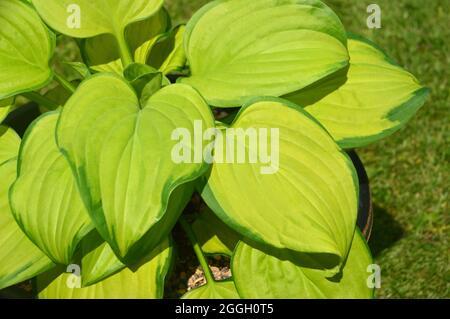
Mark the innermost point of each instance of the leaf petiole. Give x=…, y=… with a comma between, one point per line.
x=125, y=53
x=64, y=83
x=41, y=100
x=197, y=249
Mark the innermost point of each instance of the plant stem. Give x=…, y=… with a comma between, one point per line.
x=125, y=54
x=197, y=249
x=41, y=100
x=64, y=83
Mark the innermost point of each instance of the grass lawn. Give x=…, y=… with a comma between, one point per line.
x=409, y=171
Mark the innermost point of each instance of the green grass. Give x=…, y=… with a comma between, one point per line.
x=409, y=171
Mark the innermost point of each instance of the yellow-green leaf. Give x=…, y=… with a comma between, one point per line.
x=267, y=273
x=214, y=236
x=102, y=54
x=5, y=107
x=86, y=18
x=239, y=49
x=20, y=258
x=121, y=152
x=216, y=290
x=45, y=199
x=373, y=100
x=26, y=47
x=299, y=191
x=145, y=282
x=9, y=144
x=99, y=260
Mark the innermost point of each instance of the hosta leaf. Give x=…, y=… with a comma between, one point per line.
x=303, y=196
x=217, y=290
x=86, y=18
x=146, y=282
x=214, y=236
x=103, y=55
x=373, y=100
x=5, y=107
x=20, y=258
x=266, y=48
x=58, y=95
x=145, y=80
x=45, y=199
x=268, y=273
x=81, y=70
x=167, y=55
x=99, y=260
x=103, y=122
x=25, y=49
x=9, y=144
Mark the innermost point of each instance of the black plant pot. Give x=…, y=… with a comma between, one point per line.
x=365, y=208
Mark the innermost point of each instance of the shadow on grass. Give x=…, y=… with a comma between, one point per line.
x=386, y=231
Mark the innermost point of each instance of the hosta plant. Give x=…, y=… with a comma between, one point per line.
x=90, y=194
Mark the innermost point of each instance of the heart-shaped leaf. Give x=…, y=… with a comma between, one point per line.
x=374, y=99
x=216, y=290
x=266, y=48
x=20, y=258
x=86, y=18
x=214, y=236
x=103, y=123
x=280, y=179
x=146, y=282
x=9, y=144
x=45, y=199
x=103, y=55
x=25, y=49
x=99, y=260
x=268, y=273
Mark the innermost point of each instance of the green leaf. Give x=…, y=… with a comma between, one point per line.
x=266, y=48
x=45, y=199
x=81, y=69
x=95, y=17
x=104, y=123
x=99, y=260
x=374, y=99
x=214, y=236
x=20, y=258
x=217, y=290
x=268, y=273
x=146, y=282
x=103, y=55
x=58, y=95
x=145, y=80
x=25, y=51
x=167, y=55
x=9, y=144
x=5, y=107
x=302, y=196
x=152, y=86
